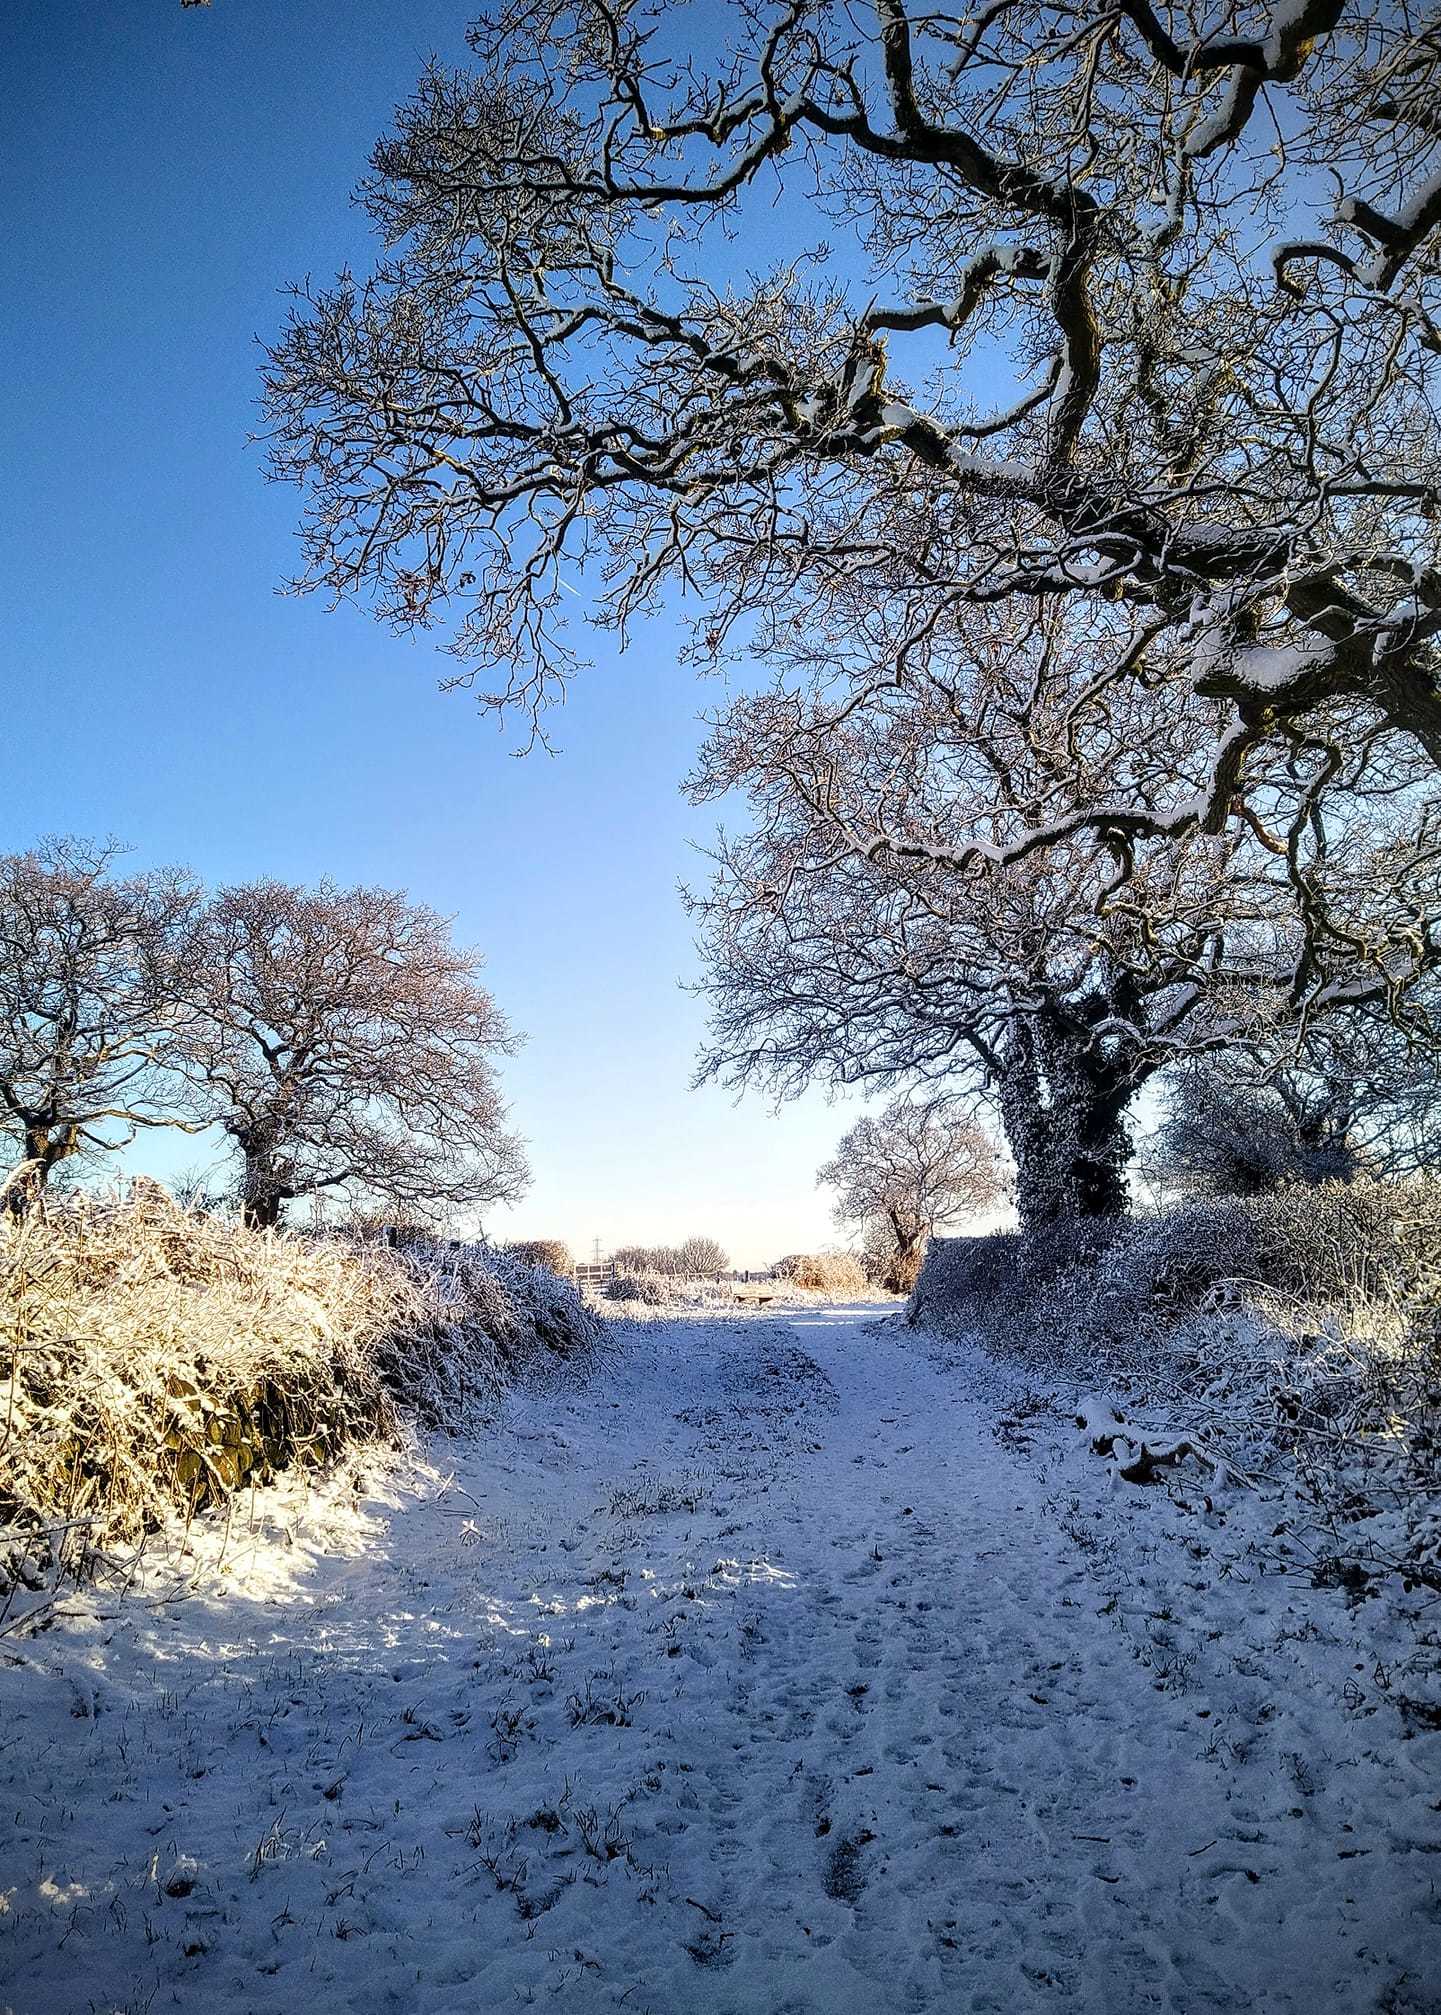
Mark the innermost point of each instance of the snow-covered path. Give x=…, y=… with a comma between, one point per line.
x=752, y=1673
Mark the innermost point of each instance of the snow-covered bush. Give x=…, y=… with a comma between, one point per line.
x=155, y=1359
x=663, y=1260
x=551, y=1252
x=652, y=1296
x=653, y=1289
x=823, y=1272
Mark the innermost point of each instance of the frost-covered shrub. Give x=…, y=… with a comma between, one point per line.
x=653, y=1289
x=961, y=1281
x=155, y=1359
x=1342, y=1397
x=823, y=1272
x=551, y=1252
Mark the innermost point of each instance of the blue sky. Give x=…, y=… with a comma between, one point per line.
x=166, y=173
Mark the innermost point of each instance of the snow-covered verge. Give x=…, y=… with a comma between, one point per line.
x=1291, y=1342
x=155, y=1360
x=792, y=1662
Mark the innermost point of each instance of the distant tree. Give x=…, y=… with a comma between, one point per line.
x=1358, y=1093
x=88, y=1015
x=551, y=1252
x=690, y=1260
x=637, y=1258
x=1374, y=1077
x=703, y=1258
x=344, y=1043
x=921, y=1163
x=693, y=1259
x=1225, y=1138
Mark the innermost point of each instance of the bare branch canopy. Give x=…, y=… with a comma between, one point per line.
x=1133, y=307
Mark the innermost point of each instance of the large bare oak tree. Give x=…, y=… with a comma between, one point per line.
x=1136, y=307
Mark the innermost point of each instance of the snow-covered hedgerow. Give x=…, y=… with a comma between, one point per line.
x=154, y=1359
x=1033, y=1297
x=1295, y=1335
x=1086, y=1295
x=483, y=1312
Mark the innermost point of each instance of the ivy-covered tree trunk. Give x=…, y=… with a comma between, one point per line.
x=46, y=1146
x=1064, y=1107
x=905, y=1263
x=261, y=1205
x=263, y=1190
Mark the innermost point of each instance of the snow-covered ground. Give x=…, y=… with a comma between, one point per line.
x=779, y=1664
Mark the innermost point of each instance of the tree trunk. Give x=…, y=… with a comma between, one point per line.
x=262, y=1194
x=45, y=1148
x=905, y=1262
x=1064, y=1114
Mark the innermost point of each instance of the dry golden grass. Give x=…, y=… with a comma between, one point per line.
x=826, y=1272
x=155, y=1359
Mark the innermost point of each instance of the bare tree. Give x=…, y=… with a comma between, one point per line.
x=1059, y=983
x=693, y=1259
x=344, y=1043
x=922, y=1164
x=1228, y=1138
x=1374, y=1079
x=663, y=1259
x=703, y=1258
x=1134, y=309
x=1358, y=1093
x=88, y=1004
